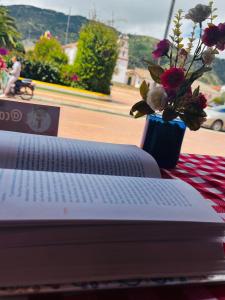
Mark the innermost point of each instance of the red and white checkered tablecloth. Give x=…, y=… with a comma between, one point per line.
x=205, y=173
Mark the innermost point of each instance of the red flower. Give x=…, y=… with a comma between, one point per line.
x=172, y=78
x=221, y=43
x=171, y=94
x=2, y=64
x=162, y=48
x=211, y=36
x=202, y=101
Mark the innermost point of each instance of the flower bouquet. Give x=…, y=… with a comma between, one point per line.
x=172, y=93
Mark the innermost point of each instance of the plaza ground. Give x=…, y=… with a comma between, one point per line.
x=109, y=121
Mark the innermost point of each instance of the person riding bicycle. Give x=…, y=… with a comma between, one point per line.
x=14, y=75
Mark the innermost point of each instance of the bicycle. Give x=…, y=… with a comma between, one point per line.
x=23, y=88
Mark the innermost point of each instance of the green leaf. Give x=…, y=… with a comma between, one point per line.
x=142, y=108
x=177, y=31
x=193, y=120
x=215, y=51
x=152, y=64
x=196, y=91
x=139, y=115
x=197, y=74
x=144, y=90
x=156, y=71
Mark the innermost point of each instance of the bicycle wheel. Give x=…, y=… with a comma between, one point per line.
x=26, y=93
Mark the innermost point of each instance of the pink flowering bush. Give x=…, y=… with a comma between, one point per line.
x=74, y=77
x=174, y=96
x=4, y=51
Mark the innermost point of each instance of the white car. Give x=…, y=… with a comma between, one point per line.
x=215, y=118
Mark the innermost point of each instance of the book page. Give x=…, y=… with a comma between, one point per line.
x=33, y=195
x=44, y=153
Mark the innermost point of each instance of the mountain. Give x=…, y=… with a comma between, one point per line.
x=32, y=22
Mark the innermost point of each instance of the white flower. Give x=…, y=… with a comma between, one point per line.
x=157, y=98
x=208, y=56
x=199, y=13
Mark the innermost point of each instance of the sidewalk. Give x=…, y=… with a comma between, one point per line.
x=118, y=104
x=70, y=90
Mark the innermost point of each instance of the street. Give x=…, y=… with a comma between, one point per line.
x=109, y=121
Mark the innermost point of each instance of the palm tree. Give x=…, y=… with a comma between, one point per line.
x=9, y=34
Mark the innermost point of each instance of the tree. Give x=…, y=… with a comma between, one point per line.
x=8, y=31
x=96, y=56
x=19, y=47
x=49, y=51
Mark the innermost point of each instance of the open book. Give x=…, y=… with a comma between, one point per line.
x=74, y=211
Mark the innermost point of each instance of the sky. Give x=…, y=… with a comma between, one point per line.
x=146, y=17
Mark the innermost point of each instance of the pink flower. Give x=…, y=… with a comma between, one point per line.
x=221, y=43
x=74, y=77
x=171, y=79
x=4, y=51
x=211, y=36
x=162, y=48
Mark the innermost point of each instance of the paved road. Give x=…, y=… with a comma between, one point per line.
x=99, y=120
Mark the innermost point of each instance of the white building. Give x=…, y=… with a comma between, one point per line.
x=120, y=72
x=137, y=76
x=71, y=52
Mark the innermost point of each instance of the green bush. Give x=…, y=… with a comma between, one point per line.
x=67, y=71
x=49, y=51
x=96, y=57
x=219, y=100
x=40, y=71
x=19, y=47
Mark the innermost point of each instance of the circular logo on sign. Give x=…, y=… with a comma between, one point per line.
x=16, y=115
x=39, y=120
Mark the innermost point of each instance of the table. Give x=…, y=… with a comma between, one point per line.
x=205, y=173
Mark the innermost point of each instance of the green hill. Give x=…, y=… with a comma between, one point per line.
x=32, y=22
x=140, y=47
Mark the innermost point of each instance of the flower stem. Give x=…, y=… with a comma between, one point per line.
x=196, y=50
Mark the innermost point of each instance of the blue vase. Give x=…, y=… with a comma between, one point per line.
x=163, y=140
